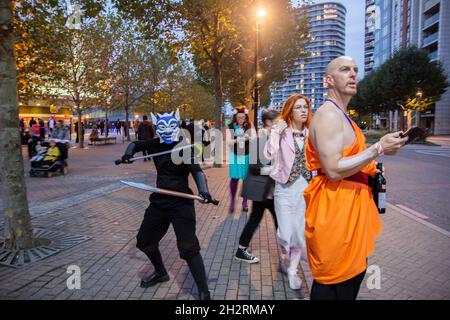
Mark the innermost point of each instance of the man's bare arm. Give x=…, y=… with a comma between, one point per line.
x=328, y=140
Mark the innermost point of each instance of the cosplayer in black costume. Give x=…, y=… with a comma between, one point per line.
x=165, y=209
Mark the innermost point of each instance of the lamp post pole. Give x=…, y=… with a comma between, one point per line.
x=261, y=13
x=256, y=89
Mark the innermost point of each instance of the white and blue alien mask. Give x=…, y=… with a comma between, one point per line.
x=167, y=126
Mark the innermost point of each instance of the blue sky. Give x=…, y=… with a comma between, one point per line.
x=355, y=27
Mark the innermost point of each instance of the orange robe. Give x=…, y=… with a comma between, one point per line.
x=342, y=220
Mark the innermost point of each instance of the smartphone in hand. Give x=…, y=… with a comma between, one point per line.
x=413, y=133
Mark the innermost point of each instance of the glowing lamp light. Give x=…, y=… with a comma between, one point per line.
x=261, y=13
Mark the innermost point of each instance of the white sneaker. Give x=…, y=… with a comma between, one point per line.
x=295, y=283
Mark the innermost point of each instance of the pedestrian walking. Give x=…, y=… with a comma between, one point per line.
x=145, y=132
x=239, y=134
x=286, y=148
x=259, y=187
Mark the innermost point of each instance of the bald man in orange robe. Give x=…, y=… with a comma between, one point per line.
x=342, y=219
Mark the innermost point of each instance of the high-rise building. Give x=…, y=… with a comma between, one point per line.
x=434, y=37
x=372, y=24
x=396, y=24
x=327, y=35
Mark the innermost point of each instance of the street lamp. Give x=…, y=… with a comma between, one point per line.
x=419, y=94
x=259, y=14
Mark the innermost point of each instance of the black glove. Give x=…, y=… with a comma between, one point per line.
x=206, y=197
x=126, y=158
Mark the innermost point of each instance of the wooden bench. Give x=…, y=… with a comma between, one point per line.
x=103, y=139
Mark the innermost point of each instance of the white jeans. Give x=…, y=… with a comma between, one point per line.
x=290, y=209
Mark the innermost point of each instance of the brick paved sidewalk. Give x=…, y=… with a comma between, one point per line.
x=414, y=259
x=111, y=266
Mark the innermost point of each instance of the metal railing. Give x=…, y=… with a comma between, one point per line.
x=430, y=21
x=433, y=55
x=430, y=4
x=430, y=39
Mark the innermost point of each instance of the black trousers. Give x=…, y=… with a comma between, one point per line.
x=347, y=290
x=156, y=223
x=255, y=219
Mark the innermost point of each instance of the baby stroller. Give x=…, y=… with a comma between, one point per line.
x=39, y=167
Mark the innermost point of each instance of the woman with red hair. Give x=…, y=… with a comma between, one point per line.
x=238, y=138
x=286, y=148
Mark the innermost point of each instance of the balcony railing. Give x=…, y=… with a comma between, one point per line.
x=430, y=21
x=430, y=39
x=433, y=56
x=430, y=4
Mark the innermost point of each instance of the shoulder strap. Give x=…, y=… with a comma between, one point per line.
x=345, y=114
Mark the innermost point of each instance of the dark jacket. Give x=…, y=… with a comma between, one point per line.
x=256, y=187
x=146, y=130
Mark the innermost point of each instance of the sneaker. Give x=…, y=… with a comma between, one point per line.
x=244, y=255
x=295, y=283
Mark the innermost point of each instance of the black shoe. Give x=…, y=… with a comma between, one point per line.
x=204, y=295
x=153, y=279
x=244, y=255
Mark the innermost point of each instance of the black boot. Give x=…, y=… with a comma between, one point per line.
x=198, y=273
x=153, y=279
x=204, y=295
x=160, y=274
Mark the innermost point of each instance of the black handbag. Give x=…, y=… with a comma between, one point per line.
x=255, y=186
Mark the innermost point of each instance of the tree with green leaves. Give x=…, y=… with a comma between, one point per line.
x=412, y=81
x=80, y=73
x=220, y=35
x=175, y=87
x=131, y=71
x=408, y=81
x=283, y=36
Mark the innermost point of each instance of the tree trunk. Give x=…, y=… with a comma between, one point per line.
x=18, y=230
x=106, y=123
x=409, y=118
x=401, y=120
x=127, y=115
x=80, y=129
x=217, y=114
x=250, y=98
